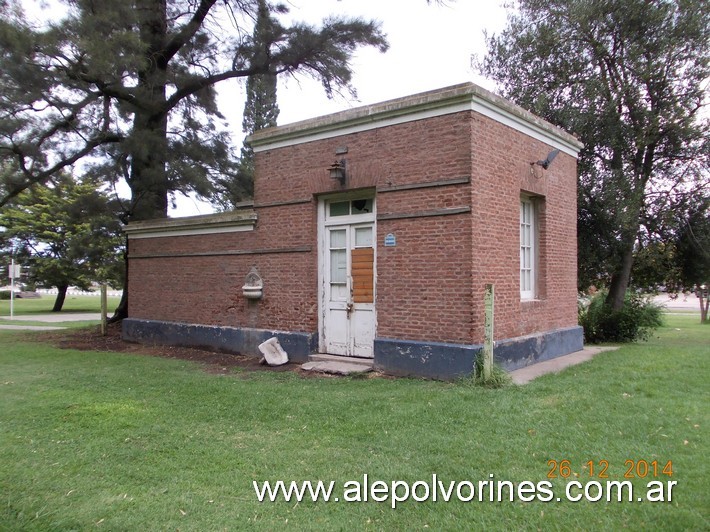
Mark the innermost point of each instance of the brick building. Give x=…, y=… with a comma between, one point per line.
x=372, y=234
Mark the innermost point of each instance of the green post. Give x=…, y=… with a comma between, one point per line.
x=104, y=310
x=488, y=333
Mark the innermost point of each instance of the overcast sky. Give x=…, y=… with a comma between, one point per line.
x=430, y=47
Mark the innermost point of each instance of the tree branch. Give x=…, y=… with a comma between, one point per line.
x=43, y=176
x=187, y=31
x=199, y=83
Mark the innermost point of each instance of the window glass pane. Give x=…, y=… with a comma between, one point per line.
x=337, y=238
x=525, y=280
x=338, y=266
x=338, y=292
x=341, y=208
x=527, y=249
x=363, y=237
x=362, y=206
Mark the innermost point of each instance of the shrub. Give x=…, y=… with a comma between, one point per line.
x=4, y=295
x=635, y=321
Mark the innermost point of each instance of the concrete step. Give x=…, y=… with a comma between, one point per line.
x=323, y=357
x=337, y=365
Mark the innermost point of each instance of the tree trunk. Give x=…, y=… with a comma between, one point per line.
x=148, y=182
x=620, y=278
x=148, y=178
x=121, y=311
x=61, y=296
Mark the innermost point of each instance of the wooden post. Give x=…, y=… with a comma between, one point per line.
x=104, y=310
x=12, y=288
x=704, y=296
x=488, y=333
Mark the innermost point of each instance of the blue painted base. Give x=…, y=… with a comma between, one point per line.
x=515, y=353
x=431, y=360
x=244, y=341
x=451, y=361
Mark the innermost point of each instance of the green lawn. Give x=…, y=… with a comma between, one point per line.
x=124, y=442
x=45, y=303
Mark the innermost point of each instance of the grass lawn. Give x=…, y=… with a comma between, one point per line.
x=127, y=442
x=44, y=304
x=72, y=305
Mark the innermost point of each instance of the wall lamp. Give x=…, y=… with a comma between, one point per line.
x=544, y=164
x=337, y=171
x=548, y=160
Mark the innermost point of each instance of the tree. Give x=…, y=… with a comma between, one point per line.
x=628, y=77
x=693, y=245
x=128, y=89
x=673, y=247
x=261, y=110
x=67, y=233
x=132, y=83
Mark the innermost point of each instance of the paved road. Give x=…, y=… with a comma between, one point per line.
x=689, y=302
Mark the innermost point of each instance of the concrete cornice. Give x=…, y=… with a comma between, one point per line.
x=454, y=99
x=226, y=222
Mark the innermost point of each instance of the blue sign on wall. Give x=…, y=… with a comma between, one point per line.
x=390, y=240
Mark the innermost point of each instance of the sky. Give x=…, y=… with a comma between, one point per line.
x=431, y=46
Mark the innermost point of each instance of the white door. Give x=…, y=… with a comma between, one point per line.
x=349, y=289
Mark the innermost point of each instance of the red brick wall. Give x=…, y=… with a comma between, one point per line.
x=423, y=284
x=430, y=286
x=501, y=172
x=208, y=289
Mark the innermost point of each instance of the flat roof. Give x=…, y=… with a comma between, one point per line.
x=202, y=224
x=448, y=100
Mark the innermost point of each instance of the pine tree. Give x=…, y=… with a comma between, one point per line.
x=128, y=89
x=132, y=85
x=261, y=110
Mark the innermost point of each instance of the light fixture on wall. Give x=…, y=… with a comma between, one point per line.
x=548, y=160
x=545, y=164
x=337, y=171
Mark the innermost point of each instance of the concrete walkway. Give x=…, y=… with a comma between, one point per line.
x=555, y=365
x=55, y=317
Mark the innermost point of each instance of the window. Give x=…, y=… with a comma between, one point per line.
x=528, y=248
x=350, y=207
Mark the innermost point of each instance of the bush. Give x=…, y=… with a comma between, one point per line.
x=635, y=321
x=4, y=295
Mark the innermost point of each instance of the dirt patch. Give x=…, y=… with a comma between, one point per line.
x=91, y=339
